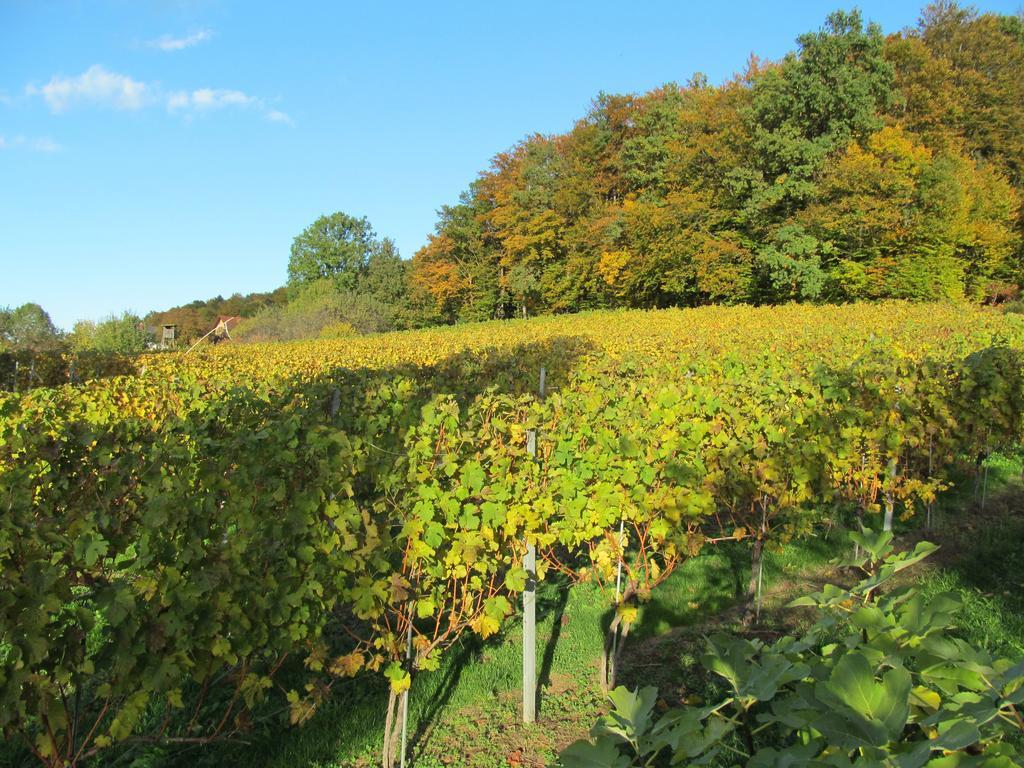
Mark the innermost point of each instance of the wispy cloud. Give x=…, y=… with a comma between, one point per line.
x=276, y=116
x=100, y=87
x=209, y=98
x=170, y=43
x=40, y=144
x=96, y=85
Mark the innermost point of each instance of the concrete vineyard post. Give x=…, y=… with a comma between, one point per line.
x=928, y=509
x=530, y=602
x=610, y=661
x=530, y=636
x=889, y=496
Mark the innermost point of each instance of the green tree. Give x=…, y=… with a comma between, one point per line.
x=124, y=334
x=813, y=103
x=83, y=336
x=790, y=265
x=28, y=327
x=386, y=278
x=337, y=246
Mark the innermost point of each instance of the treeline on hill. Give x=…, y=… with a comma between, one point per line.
x=195, y=319
x=29, y=330
x=859, y=167
x=35, y=352
x=342, y=281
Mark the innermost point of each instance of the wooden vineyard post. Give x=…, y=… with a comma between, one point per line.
x=405, y=693
x=530, y=603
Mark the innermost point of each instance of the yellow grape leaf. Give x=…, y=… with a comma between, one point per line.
x=347, y=665
x=485, y=626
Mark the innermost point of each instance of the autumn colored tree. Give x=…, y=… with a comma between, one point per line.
x=454, y=276
x=899, y=221
x=858, y=166
x=985, y=53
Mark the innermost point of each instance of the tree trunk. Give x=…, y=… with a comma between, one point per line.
x=607, y=670
x=617, y=656
x=392, y=729
x=613, y=642
x=756, y=554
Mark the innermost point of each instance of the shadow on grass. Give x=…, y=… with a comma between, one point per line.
x=551, y=600
x=428, y=718
x=982, y=559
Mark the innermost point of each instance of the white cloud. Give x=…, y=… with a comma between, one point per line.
x=96, y=85
x=41, y=144
x=177, y=100
x=169, y=43
x=101, y=87
x=210, y=98
x=276, y=116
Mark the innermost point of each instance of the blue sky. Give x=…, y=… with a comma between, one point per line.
x=152, y=153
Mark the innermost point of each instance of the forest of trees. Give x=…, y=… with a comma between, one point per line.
x=28, y=330
x=195, y=319
x=859, y=167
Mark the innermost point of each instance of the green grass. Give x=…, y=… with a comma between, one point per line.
x=469, y=709
x=471, y=705
x=982, y=560
x=467, y=713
